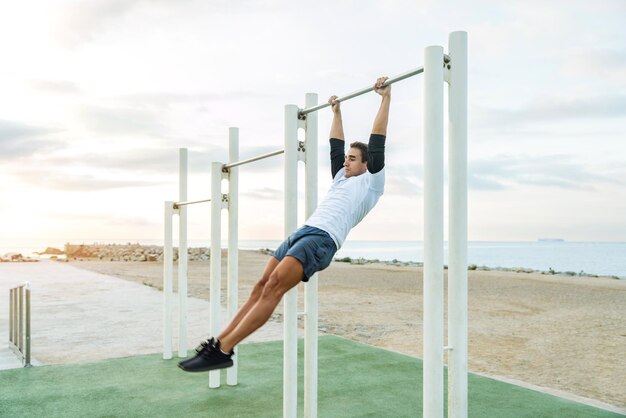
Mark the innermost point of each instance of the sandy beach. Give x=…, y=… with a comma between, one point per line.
x=559, y=332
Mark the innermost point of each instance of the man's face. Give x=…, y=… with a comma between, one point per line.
x=353, y=164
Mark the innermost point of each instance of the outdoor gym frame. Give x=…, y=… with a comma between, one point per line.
x=438, y=68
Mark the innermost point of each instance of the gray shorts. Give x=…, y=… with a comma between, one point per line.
x=311, y=246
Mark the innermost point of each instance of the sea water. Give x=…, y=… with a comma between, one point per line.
x=600, y=258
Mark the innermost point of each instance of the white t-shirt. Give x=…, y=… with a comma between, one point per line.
x=346, y=203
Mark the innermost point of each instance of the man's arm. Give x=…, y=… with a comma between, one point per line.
x=337, y=142
x=382, y=117
x=376, y=147
x=336, y=128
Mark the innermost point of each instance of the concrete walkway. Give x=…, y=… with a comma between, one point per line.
x=8, y=359
x=80, y=316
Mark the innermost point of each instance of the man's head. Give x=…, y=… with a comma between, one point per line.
x=355, y=163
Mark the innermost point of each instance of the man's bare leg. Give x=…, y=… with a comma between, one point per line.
x=287, y=274
x=256, y=293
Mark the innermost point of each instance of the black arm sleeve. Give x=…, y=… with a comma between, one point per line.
x=376, y=153
x=337, y=155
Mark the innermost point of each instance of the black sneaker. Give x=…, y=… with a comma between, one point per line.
x=204, y=347
x=209, y=357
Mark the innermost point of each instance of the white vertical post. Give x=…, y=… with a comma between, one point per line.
x=433, y=232
x=457, y=270
x=233, y=239
x=168, y=268
x=182, y=254
x=290, y=342
x=310, y=290
x=26, y=351
x=216, y=260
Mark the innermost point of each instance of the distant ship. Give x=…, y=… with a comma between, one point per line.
x=551, y=239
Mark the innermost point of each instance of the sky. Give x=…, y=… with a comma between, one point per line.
x=96, y=98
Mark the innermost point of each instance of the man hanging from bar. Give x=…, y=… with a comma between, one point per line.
x=358, y=183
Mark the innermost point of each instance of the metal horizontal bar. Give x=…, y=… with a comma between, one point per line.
x=419, y=70
x=363, y=91
x=251, y=160
x=191, y=202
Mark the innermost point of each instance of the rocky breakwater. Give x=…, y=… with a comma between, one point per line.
x=16, y=258
x=127, y=252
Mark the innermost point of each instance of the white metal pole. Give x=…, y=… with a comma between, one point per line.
x=433, y=232
x=310, y=290
x=167, y=280
x=457, y=270
x=233, y=239
x=27, y=325
x=182, y=254
x=216, y=260
x=290, y=343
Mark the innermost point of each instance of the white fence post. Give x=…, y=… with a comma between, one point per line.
x=290, y=300
x=433, y=232
x=310, y=289
x=457, y=271
x=233, y=240
x=168, y=268
x=182, y=254
x=216, y=260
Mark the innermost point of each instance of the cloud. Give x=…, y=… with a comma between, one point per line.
x=78, y=183
x=404, y=186
x=67, y=171
x=100, y=218
x=147, y=162
x=112, y=120
x=10, y=130
x=551, y=109
x=608, y=106
x=20, y=140
x=484, y=181
x=55, y=87
x=265, y=193
x=81, y=21
x=161, y=99
x=558, y=171
x=405, y=179
x=66, y=166
x=167, y=115
x=600, y=63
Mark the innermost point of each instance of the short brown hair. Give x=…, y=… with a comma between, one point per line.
x=362, y=147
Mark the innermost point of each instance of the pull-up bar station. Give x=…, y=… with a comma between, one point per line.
x=438, y=69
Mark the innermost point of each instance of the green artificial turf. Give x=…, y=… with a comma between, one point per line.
x=355, y=380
